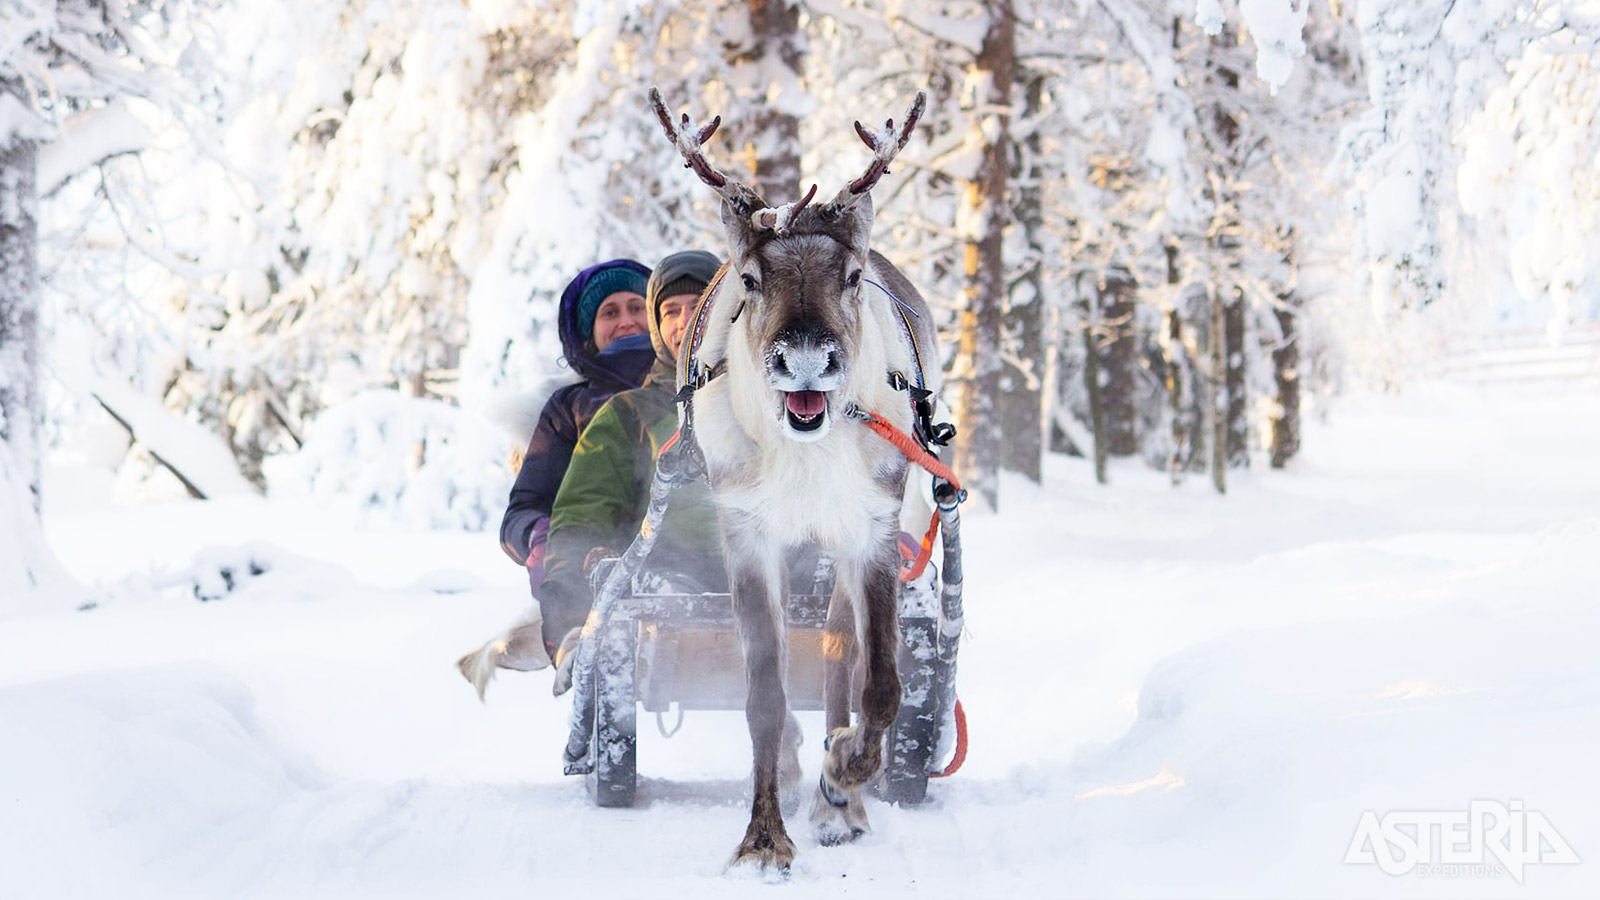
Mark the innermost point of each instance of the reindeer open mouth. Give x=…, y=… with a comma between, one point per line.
x=805, y=410
x=804, y=364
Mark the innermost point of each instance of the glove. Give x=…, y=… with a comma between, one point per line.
x=592, y=569
x=566, y=657
x=595, y=555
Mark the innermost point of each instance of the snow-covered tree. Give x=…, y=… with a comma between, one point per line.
x=397, y=204
x=1431, y=67
x=1529, y=184
x=68, y=72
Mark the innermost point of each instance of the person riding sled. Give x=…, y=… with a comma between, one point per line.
x=602, y=323
x=609, y=473
x=604, y=339
x=604, y=495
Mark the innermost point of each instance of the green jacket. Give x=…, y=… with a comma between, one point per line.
x=605, y=491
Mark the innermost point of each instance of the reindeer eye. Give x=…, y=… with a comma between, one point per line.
x=750, y=284
x=854, y=279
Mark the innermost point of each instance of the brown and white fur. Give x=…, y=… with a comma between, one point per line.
x=797, y=316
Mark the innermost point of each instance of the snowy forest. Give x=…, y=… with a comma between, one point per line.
x=305, y=255
x=278, y=247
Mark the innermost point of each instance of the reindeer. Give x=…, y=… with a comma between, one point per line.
x=807, y=340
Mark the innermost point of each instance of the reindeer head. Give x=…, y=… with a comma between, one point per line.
x=797, y=271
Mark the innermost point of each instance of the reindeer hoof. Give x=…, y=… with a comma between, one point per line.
x=766, y=852
x=849, y=760
x=837, y=818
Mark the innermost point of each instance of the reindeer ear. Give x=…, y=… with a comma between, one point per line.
x=855, y=226
x=863, y=217
x=736, y=225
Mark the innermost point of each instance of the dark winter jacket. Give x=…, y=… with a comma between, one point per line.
x=607, y=486
x=623, y=365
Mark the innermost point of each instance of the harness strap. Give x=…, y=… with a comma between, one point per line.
x=912, y=451
x=695, y=376
x=702, y=317
x=699, y=380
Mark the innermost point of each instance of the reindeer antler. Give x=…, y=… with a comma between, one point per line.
x=885, y=144
x=778, y=219
x=688, y=138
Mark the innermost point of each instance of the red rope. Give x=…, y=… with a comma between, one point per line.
x=918, y=561
x=910, y=449
x=961, y=745
x=915, y=564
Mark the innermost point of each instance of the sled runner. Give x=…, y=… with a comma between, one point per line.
x=645, y=647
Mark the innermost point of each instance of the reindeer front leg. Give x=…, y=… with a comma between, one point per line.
x=756, y=579
x=853, y=755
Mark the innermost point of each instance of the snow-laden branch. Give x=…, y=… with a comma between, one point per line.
x=193, y=454
x=1163, y=72
x=18, y=121
x=964, y=33
x=1276, y=27
x=88, y=139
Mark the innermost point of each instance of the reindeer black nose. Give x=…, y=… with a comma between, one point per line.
x=805, y=359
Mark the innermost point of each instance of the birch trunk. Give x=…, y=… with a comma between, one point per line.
x=1286, y=374
x=1119, y=349
x=1022, y=388
x=1090, y=301
x=772, y=137
x=984, y=215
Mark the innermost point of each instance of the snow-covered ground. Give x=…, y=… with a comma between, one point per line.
x=1170, y=693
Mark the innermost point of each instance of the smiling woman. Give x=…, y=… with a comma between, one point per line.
x=619, y=315
x=603, y=339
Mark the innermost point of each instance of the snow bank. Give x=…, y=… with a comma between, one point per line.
x=1170, y=693
x=126, y=773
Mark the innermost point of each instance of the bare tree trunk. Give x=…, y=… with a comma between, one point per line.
x=771, y=147
x=1172, y=352
x=1286, y=372
x=22, y=556
x=1022, y=388
x=1230, y=437
x=1238, y=386
x=1173, y=356
x=1090, y=302
x=978, y=450
x=1217, y=405
x=1286, y=363
x=1120, y=362
x=19, y=314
